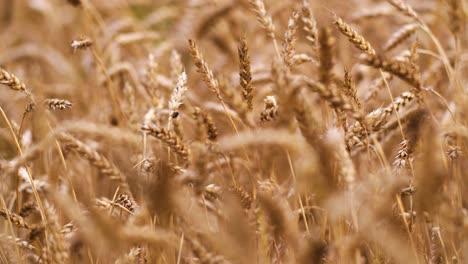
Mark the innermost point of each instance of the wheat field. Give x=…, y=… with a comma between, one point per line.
x=233, y=131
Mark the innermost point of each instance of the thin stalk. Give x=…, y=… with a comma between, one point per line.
x=31, y=180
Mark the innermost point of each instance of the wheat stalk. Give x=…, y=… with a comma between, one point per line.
x=310, y=25
x=207, y=121
x=400, y=69
x=401, y=35
x=168, y=138
x=359, y=41
x=245, y=75
x=104, y=166
x=16, y=219
x=326, y=49
x=288, y=50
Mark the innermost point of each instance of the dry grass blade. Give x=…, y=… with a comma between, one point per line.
x=178, y=94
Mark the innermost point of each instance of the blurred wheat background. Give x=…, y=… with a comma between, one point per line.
x=233, y=131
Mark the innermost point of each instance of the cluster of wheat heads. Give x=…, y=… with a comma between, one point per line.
x=233, y=131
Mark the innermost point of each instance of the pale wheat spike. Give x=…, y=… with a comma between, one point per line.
x=263, y=17
x=310, y=25
x=178, y=94
x=402, y=158
x=401, y=35
x=23, y=244
x=404, y=8
x=177, y=66
x=288, y=49
x=54, y=104
x=13, y=82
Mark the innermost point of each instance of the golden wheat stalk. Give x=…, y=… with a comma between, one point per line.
x=401, y=35
x=105, y=167
x=245, y=75
x=204, y=70
x=400, y=69
x=358, y=41
x=168, y=138
x=16, y=219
